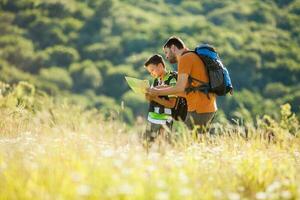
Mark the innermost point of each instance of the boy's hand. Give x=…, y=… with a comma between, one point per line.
x=148, y=97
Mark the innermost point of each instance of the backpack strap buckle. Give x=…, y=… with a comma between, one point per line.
x=203, y=87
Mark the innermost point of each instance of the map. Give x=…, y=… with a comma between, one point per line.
x=137, y=85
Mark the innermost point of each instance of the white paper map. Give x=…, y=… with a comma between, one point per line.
x=137, y=85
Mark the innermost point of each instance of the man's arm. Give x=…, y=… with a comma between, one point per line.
x=182, y=94
x=166, y=103
x=170, y=103
x=177, y=89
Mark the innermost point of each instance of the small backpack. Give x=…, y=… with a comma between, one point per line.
x=219, y=79
x=179, y=111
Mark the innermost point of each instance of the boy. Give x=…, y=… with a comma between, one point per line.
x=160, y=107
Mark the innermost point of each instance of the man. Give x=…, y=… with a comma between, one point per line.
x=160, y=107
x=201, y=106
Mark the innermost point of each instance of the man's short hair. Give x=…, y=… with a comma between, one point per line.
x=174, y=41
x=155, y=59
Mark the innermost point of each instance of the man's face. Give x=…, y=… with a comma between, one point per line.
x=170, y=56
x=155, y=70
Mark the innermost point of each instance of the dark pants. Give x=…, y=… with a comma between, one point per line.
x=199, y=120
x=153, y=130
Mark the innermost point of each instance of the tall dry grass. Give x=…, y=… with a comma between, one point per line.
x=60, y=151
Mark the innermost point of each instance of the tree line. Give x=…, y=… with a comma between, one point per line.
x=83, y=49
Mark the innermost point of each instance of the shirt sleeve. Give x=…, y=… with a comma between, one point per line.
x=185, y=65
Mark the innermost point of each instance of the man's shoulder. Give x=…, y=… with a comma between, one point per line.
x=191, y=57
x=188, y=55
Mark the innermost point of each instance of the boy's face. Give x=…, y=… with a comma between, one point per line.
x=155, y=70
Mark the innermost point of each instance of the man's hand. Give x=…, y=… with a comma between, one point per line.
x=177, y=89
x=152, y=91
x=162, y=86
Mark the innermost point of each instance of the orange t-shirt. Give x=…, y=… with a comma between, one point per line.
x=191, y=64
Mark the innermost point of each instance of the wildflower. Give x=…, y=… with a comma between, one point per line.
x=241, y=189
x=126, y=171
x=107, y=153
x=76, y=177
x=161, y=184
x=83, y=190
x=233, y=196
x=218, y=194
x=286, y=182
x=183, y=178
x=274, y=186
x=3, y=166
x=162, y=196
x=126, y=189
x=261, y=195
x=118, y=163
x=286, y=194
x=185, y=192
x=151, y=168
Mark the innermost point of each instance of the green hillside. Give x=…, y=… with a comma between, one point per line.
x=81, y=49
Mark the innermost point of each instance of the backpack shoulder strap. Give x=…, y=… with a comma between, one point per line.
x=155, y=82
x=172, y=75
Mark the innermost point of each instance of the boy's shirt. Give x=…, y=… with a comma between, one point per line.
x=158, y=114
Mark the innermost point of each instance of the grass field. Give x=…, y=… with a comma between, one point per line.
x=64, y=152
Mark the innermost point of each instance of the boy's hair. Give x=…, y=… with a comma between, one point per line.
x=155, y=59
x=174, y=41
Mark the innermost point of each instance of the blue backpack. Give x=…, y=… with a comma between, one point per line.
x=219, y=79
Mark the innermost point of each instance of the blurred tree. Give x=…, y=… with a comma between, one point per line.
x=115, y=84
x=276, y=90
x=243, y=68
x=135, y=102
x=46, y=32
x=60, y=56
x=283, y=3
x=89, y=33
x=17, y=51
x=193, y=7
x=11, y=74
x=58, y=76
x=101, y=41
x=55, y=9
x=109, y=48
x=85, y=75
x=6, y=25
x=294, y=7
x=26, y=17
